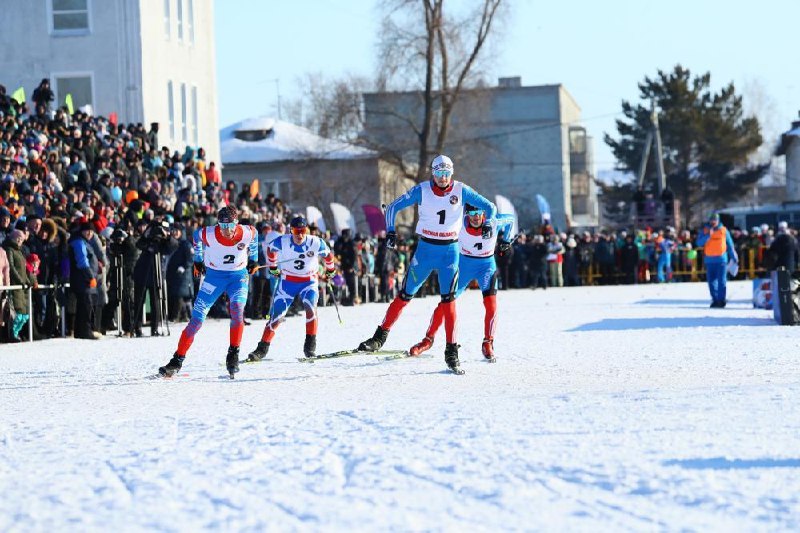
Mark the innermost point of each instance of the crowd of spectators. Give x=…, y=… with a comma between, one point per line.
x=88, y=206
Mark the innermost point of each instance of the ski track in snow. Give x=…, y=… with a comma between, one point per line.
x=625, y=408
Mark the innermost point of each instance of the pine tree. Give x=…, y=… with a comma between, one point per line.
x=707, y=140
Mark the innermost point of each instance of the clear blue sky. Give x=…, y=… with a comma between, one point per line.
x=599, y=50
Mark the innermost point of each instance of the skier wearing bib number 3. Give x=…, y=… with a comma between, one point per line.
x=476, y=262
x=441, y=209
x=295, y=259
x=226, y=253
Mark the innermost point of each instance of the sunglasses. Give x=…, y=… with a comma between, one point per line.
x=299, y=231
x=229, y=226
x=474, y=212
x=442, y=173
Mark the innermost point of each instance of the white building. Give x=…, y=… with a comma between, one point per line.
x=146, y=60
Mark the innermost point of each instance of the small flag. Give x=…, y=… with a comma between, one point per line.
x=68, y=103
x=19, y=95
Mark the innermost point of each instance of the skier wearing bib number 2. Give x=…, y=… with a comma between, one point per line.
x=476, y=262
x=441, y=209
x=226, y=253
x=295, y=259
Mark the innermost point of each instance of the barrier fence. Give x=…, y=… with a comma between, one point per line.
x=29, y=290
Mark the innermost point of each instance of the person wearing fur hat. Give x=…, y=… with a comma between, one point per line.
x=18, y=275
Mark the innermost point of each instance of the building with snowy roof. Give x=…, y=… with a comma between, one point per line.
x=302, y=168
x=145, y=61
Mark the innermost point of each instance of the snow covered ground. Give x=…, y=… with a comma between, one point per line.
x=623, y=408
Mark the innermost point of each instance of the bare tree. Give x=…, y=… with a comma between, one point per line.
x=330, y=107
x=424, y=49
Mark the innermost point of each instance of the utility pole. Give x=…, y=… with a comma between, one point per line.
x=653, y=134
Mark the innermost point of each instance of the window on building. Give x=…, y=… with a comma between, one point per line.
x=70, y=16
x=195, y=118
x=78, y=85
x=167, y=20
x=184, y=129
x=179, y=16
x=171, y=107
x=190, y=19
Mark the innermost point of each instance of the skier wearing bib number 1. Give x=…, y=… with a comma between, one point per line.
x=295, y=259
x=226, y=253
x=476, y=262
x=441, y=203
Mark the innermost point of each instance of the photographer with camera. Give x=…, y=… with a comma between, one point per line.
x=154, y=243
x=123, y=253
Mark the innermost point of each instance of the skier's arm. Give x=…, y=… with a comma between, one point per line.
x=473, y=198
x=252, y=249
x=325, y=252
x=412, y=197
x=197, y=245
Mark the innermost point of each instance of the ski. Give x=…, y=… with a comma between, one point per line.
x=403, y=355
x=348, y=353
x=161, y=376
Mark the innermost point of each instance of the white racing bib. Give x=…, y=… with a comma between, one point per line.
x=440, y=217
x=475, y=245
x=302, y=260
x=223, y=256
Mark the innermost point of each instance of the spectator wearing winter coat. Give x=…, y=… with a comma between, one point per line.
x=604, y=256
x=783, y=251
x=180, y=285
x=717, y=248
x=571, y=263
x=345, y=249
x=537, y=262
x=43, y=95
x=18, y=275
x=83, y=280
x=555, y=252
x=5, y=280
x=629, y=260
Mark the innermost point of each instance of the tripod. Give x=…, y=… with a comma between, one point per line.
x=160, y=295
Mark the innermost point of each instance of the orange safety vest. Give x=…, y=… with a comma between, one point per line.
x=716, y=245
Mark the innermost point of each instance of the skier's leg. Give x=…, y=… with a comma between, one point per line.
x=237, y=290
x=283, y=298
x=211, y=288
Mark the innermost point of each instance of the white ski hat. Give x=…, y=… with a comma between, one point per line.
x=442, y=162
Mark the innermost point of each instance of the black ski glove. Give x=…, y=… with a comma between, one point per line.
x=486, y=231
x=391, y=239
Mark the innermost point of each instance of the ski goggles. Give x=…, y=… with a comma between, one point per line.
x=474, y=212
x=442, y=173
x=299, y=231
x=227, y=226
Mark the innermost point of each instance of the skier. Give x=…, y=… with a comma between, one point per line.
x=295, y=259
x=476, y=262
x=441, y=208
x=226, y=253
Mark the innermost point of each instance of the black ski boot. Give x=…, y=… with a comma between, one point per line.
x=451, y=358
x=171, y=368
x=232, y=360
x=259, y=353
x=374, y=343
x=310, y=346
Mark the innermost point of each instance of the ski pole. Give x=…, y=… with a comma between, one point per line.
x=335, y=303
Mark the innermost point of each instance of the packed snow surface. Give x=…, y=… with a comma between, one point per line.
x=622, y=408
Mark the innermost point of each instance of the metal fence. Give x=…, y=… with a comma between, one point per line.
x=29, y=290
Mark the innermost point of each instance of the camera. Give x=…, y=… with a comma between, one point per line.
x=158, y=231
